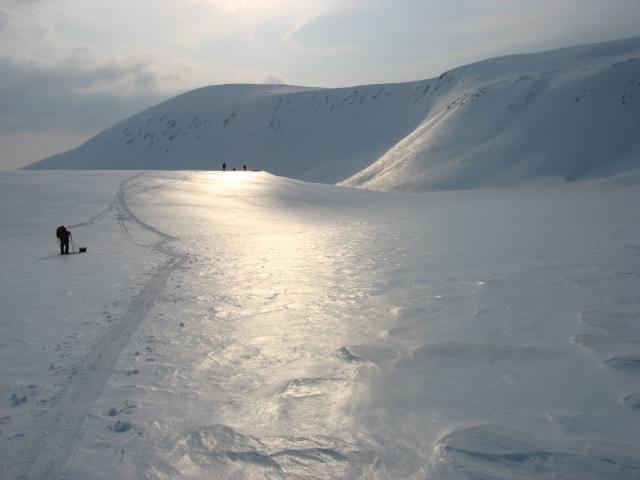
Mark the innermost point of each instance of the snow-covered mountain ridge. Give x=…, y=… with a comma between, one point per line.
x=572, y=113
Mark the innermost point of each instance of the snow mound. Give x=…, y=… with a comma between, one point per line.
x=230, y=454
x=631, y=400
x=629, y=362
x=631, y=177
x=491, y=452
x=572, y=113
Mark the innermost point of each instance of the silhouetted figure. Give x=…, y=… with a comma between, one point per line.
x=234, y=169
x=244, y=167
x=64, y=236
x=224, y=167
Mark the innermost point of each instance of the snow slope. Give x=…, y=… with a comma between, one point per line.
x=313, y=134
x=242, y=325
x=571, y=113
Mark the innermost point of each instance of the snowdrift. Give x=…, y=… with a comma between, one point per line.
x=572, y=113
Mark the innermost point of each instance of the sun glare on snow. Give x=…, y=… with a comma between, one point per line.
x=234, y=180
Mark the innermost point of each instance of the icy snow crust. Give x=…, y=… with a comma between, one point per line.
x=572, y=113
x=242, y=325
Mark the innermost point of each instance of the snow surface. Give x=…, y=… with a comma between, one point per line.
x=572, y=113
x=243, y=325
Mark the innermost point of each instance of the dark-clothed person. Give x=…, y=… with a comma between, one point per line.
x=64, y=236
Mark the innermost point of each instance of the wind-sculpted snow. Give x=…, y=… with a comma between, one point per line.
x=242, y=325
x=229, y=454
x=632, y=400
x=490, y=452
x=572, y=113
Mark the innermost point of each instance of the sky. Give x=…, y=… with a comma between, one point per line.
x=71, y=68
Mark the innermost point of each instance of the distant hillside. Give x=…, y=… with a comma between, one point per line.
x=572, y=113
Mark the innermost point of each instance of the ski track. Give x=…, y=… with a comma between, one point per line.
x=49, y=448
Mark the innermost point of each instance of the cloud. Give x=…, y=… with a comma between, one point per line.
x=265, y=9
x=292, y=38
x=249, y=15
x=22, y=148
x=188, y=41
x=72, y=97
x=273, y=79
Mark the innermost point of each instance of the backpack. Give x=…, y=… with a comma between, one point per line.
x=60, y=230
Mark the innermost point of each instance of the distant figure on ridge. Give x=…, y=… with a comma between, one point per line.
x=244, y=167
x=234, y=169
x=64, y=236
x=224, y=167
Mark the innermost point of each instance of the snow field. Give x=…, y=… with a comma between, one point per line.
x=311, y=331
x=55, y=308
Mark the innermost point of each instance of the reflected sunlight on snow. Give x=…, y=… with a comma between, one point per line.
x=230, y=180
x=311, y=331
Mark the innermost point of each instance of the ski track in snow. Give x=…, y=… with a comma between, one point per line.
x=50, y=446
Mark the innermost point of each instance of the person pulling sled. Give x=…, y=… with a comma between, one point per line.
x=64, y=236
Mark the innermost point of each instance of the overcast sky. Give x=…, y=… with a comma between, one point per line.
x=70, y=68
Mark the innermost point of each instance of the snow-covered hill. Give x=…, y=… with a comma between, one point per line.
x=572, y=113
